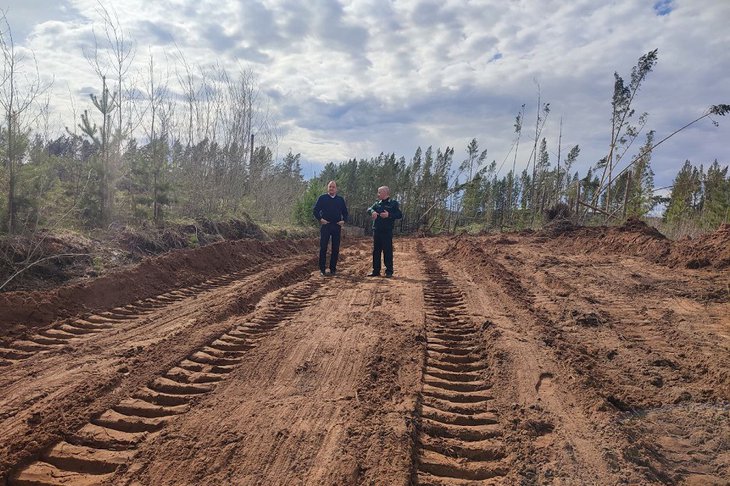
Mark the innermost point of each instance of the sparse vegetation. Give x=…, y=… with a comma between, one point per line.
x=201, y=145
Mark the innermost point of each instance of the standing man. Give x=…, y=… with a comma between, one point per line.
x=384, y=213
x=331, y=212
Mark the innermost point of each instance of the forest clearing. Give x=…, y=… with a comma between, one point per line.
x=570, y=355
x=559, y=310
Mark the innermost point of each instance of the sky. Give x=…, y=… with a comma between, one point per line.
x=344, y=79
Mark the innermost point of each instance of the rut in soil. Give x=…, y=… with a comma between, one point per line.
x=92, y=454
x=460, y=437
x=72, y=331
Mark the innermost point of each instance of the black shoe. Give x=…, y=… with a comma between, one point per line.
x=321, y=272
x=388, y=274
x=373, y=274
x=333, y=273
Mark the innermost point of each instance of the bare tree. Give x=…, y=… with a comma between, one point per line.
x=20, y=88
x=115, y=64
x=157, y=113
x=540, y=121
x=187, y=81
x=518, y=131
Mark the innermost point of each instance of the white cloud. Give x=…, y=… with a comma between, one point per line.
x=353, y=79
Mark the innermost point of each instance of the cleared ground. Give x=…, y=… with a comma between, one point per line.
x=569, y=356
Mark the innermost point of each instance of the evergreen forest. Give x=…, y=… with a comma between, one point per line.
x=199, y=143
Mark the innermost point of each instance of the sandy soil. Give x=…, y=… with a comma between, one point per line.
x=567, y=356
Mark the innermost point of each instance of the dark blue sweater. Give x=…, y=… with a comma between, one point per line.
x=333, y=209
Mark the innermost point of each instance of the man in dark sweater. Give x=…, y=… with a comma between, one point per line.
x=384, y=213
x=331, y=212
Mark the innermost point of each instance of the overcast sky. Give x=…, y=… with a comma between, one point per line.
x=350, y=79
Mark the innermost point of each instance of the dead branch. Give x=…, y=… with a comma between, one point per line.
x=39, y=261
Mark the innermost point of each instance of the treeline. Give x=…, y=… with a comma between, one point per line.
x=89, y=179
x=198, y=142
x=61, y=180
x=435, y=197
x=439, y=193
x=699, y=198
x=177, y=141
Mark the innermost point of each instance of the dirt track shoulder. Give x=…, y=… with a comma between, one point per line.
x=517, y=359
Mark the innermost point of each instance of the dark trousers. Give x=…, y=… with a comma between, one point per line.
x=327, y=231
x=383, y=243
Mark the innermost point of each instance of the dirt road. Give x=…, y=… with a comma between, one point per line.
x=577, y=357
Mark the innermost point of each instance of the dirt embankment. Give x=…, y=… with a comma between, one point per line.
x=710, y=250
x=46, y=259
x=639, y=239
x=154, y=275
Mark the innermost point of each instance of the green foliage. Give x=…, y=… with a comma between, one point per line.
x=703, y=198
x=638, y=184
x=193, y=241
x=686, y=194
x=305, y=204
x=97, y=264
x=716, y=204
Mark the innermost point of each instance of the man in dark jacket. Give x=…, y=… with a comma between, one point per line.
x=331, y=212
x=384, y=213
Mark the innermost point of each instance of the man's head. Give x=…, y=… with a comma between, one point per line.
x=332, y=188
x=383, y=193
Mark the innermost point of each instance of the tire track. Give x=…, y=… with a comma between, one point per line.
x=460, y=439
x=96, y=450
x=69, y=332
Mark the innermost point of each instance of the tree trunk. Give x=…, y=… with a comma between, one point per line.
x=11, y=178
x=626, y=195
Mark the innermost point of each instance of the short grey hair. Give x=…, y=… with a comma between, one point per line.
x=385, y=188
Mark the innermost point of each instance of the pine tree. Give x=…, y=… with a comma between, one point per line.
x=686, y=192
x=716, y=205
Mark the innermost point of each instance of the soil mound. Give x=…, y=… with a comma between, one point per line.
x=233, y=229
x=154, y=275
x=634, y=238
x=712, y=249
x=149, y=240
x=557, y=227
x=63, y=256
x=635, y=225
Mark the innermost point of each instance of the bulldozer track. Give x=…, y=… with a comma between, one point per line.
x=486, y=359
x=460, y=434
x=93, y=453
x=67, y=333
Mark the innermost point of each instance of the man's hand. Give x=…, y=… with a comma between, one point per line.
x=323, y=221
x=341, y=223
x=384, y=214
x=375, y=215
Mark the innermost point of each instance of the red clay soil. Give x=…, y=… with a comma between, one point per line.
x=152, y=276
x=707, y=250
x=567, y=356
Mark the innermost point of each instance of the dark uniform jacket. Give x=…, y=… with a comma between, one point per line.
x=333, y=209
x=385, y=225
